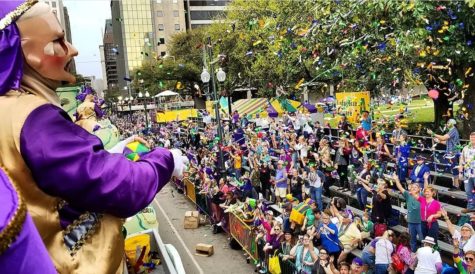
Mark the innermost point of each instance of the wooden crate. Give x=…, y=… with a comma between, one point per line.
x=204, y=250
x=192, y=219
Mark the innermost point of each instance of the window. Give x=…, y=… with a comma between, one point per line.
x=159, y=13
x=175, y=13
x=177, y=26
x=204, y=15
x=160, y=27
x=163, y=53
x=161, y=41
x=53, y=4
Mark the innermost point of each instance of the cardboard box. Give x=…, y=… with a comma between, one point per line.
x=192, y=219
x=204, y=250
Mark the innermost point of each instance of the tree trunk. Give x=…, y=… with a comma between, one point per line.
x=441, y=106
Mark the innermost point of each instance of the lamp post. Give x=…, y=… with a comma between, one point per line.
x=205, y=78
x=147, y=95
x=221, y=75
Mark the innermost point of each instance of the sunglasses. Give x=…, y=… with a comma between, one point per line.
x=469, y=259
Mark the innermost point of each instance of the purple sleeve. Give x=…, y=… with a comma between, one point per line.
x=68, y=162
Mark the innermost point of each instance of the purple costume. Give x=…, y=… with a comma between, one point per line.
x=24, y=252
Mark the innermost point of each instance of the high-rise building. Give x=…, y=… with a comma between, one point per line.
x=203, y=12
x=109, y=54
x=69, y=36
x=168, y=19
x=133, y=34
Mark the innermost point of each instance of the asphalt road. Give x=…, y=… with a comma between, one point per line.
x=171, y=207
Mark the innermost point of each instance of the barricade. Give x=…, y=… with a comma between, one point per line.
x=243, y=234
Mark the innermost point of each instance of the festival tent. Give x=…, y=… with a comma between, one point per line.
x=166, y=93
x=250, y=106
x=306, y=107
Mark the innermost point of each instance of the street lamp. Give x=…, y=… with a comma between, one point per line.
x=206, y=77
x=144, y=100
x=221, y=75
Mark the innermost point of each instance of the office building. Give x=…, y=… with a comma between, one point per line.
x=203, y=12
x=133, y=34
x=168, y=19
x=109, y=54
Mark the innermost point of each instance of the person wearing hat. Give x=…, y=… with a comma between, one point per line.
x=356, y=266
x=467, y=170
x=418, y=171
x=21, y=247
x=451, y=140
x=428, y=259
x=42, y=149
x=348, y=233
x=465, y=235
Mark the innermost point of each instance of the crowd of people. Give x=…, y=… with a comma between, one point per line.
x=292, y=162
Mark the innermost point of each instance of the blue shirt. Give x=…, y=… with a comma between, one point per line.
x=453, y=141
x=280, y=173
x=330, y=241
x=366, y=124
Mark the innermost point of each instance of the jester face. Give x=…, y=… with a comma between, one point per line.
x=43, y=43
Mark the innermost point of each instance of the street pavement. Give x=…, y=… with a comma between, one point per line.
x=171, y=207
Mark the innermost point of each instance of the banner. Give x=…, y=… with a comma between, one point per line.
x=243, y=233
x=352, y=104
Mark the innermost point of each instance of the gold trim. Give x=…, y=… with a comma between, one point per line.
x=15, y=225
x=16, y=13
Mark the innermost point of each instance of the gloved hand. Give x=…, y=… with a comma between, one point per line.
x=180, y=162
x=120, y=146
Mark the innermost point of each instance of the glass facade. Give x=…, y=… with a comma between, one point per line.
x=138, y=31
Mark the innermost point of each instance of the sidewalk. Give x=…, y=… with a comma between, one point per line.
x=225, y=260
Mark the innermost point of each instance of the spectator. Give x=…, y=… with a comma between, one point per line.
x=430, y=212
x=428, y=259
x=343, y=124
x=467, y=170
x=362, y=192
x=414, y=221
x=356, y=266
x=365, y=120
x=402, y=151
x=296, y=184
x=305, y=254
x=327, y=232
x=383, y=250
x=467, y=266
x=368, y=255
x=397, y=132
x=451, y=140
x=315, y=182
x=280, y=181
x=342, y=160
x=383, y=155
x=465, y=237
x=381, y=210
x=348, y=232
x=324, y=264
x=403, y=250
x=418, y=171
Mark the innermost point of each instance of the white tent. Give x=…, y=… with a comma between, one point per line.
x=166, y=93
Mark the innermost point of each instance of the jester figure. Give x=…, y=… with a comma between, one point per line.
x=75, y=191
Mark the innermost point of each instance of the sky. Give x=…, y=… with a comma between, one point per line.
x=87, y=25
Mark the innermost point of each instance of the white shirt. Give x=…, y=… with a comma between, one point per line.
x=383, y=251
x=426, y=260
x=469, y=159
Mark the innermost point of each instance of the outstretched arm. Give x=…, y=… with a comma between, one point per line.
x=68, y=162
